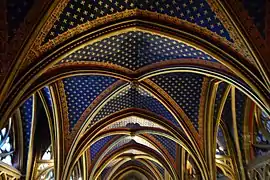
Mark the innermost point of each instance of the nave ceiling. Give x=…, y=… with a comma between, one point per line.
x=134, y=89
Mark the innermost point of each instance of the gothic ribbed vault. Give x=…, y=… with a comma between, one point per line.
x=134, y=89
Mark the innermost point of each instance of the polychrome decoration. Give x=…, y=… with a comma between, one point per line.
x=134, y=89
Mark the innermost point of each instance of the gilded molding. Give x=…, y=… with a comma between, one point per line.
x=180, y=112
x=202, y=105
x=260, y=125
x=231, y=148
x=42, y=48
x=235, y=133
x=247, y=133
x=93, y=63
x=239, y=44
x=251, y=36
x=162, y=148
x=9, y=171
x=64, y=108
x=152, y=154
x=30, y=156
x=98, y=129
x=123, y=172
x=209, y=126
x=90, y=108
x=70, y=47
x=102, y=154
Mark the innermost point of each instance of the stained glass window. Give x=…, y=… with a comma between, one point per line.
x=45, y=166
x=6, y=144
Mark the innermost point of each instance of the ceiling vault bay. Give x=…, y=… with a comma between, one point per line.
x=134, y=89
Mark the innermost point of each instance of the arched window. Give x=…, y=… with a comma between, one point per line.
x=45, y=165
x=6, y=144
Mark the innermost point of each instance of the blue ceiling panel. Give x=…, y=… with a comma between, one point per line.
x=97, y=146
x=168, y=144
x=136, y=49
x=196, y=12
x=185, y=89
x=134, y=98
x=48, y=98
x=81, y=91
x=26, y=111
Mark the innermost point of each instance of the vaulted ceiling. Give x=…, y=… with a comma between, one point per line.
x=140, y=89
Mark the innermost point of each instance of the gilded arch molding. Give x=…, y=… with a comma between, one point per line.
x=106, y=151
x=223, y=54
x=100, y=125
x=150, y=154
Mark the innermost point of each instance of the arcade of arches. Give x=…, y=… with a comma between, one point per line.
x=135, y=89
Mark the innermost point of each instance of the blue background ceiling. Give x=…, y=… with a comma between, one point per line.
x=240, y=103
x=26, y=111
x=81, y=91
x=48, y=98
x=78, y=12
x=227, y=113
x=160, y=169
x=185, y=89
x=104, y=172
x=136, y=49
x=97, y=146
x=168, y=144
x=134, y=98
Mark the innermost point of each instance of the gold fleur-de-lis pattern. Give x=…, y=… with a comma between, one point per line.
x=136, y=49
x=81, y=91
x=185, y=89
x=169, y=144
x=26, y=111
x=135, y=98
x=97, y=146
x=80, y=11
